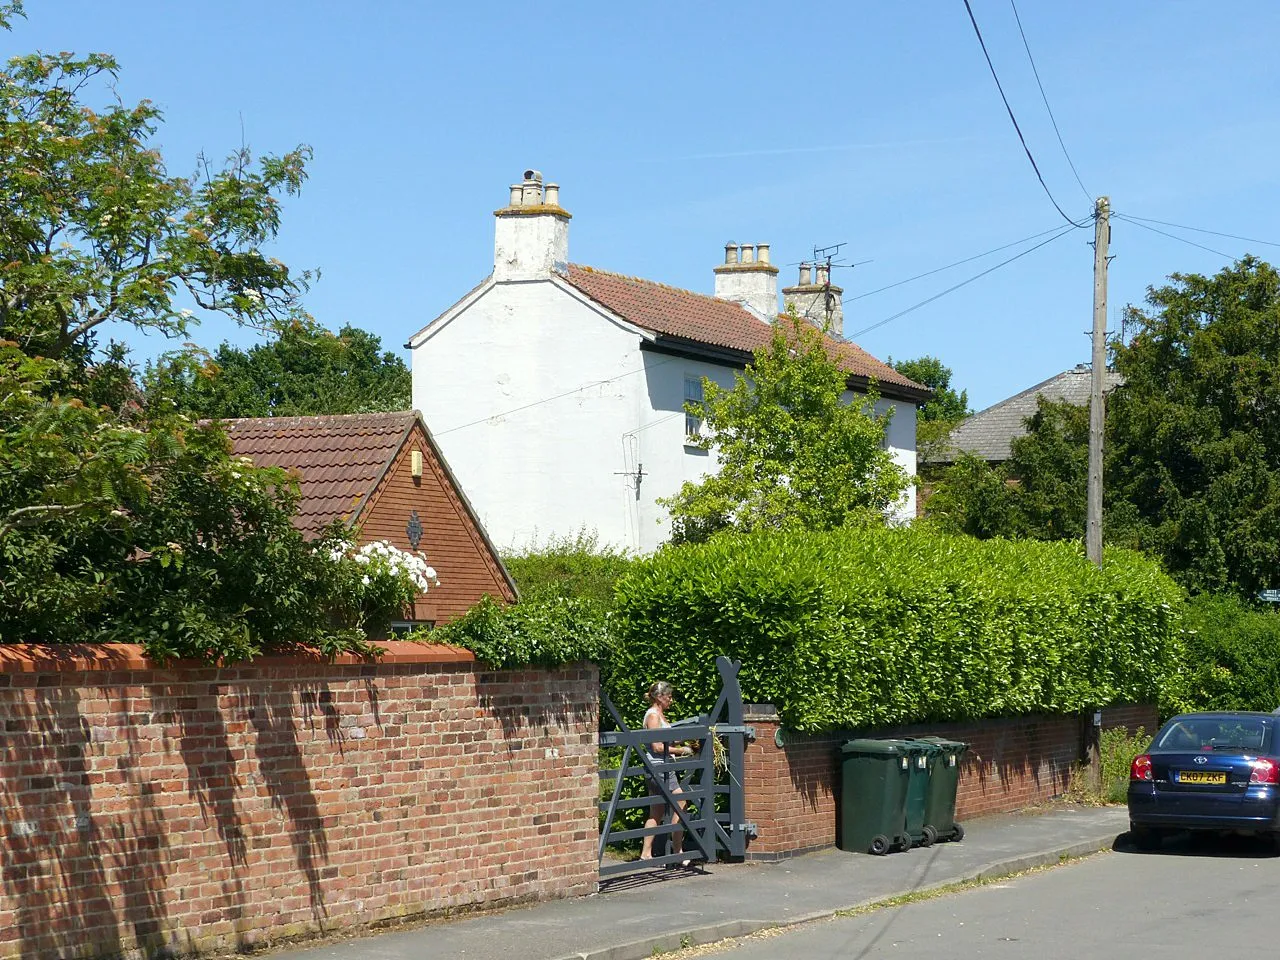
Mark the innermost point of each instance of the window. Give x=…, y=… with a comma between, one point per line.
x=692, y=394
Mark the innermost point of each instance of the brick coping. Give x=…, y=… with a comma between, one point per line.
x=79, y=657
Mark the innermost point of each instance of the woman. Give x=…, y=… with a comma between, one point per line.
x=660, y=753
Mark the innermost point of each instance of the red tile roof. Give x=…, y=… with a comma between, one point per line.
x=705, y=319
x=338, y=459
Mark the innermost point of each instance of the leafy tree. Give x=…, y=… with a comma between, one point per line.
x=1039, y=493
x=94, y=230
x=1192, y=442
x=121, y=520
x=939, y=416
x=946, y=405
x=1195, y=430
x=792, y=452
x=305, y=370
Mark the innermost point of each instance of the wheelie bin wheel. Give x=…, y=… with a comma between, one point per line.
x=903, y=841
x=879, y=845
x=958, y=834
x=928, y=836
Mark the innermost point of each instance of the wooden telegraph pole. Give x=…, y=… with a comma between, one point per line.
x=1097, y=418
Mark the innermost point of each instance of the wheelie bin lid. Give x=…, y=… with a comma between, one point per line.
x=879, y=748
x=945, y=745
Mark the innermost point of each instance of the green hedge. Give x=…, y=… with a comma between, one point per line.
x=545, y=632
x=1234, y=655
x=575, y=566
x=876, y=627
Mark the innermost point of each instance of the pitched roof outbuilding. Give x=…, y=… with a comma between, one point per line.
x=338, y=459
x=989, y=434
x=700, y=318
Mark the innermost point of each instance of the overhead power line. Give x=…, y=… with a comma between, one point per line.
x=558, y=396
x=1062, y=232
x=1174, y=236
x=1014, y=120
x=1043, y=96
x=976, y=256
x=1216, y=233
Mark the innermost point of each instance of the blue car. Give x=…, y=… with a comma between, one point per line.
x=1207, y=771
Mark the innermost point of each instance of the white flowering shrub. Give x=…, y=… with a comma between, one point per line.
x=377, y=581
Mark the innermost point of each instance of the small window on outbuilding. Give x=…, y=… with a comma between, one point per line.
x=692, y=394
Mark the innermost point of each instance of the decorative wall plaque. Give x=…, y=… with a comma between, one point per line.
x=414, y=529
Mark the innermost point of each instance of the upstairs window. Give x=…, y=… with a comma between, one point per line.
x=692, y=394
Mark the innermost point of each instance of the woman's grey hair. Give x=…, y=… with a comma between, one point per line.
x=659, y=689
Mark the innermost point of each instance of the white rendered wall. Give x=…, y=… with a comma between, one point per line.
x=512, y=390
x=901, y=437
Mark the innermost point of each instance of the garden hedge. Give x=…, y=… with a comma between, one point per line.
x=869, y=628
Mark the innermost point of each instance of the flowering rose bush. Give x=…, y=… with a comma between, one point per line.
x=376, y=582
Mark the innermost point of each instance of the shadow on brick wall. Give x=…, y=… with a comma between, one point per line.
x=118, y=864
x=86, y=855
x=507, y=698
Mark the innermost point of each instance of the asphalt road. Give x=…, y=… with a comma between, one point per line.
x=1205, y=897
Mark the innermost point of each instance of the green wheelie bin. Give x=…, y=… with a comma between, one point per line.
x=921, y=755
x=944, y=775
x=873, y=778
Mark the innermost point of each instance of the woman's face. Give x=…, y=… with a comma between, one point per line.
x=664, y=700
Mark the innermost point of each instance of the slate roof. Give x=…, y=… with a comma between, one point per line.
x=700, y=318
x=989, y=433
x=338, y=460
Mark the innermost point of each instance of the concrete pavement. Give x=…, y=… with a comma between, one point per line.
x=632, y=918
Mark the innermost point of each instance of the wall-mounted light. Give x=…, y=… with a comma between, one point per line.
x=415, y=464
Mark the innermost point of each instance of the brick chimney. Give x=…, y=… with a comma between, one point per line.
x=814, y=295
x=532, y=232
x=747, y=277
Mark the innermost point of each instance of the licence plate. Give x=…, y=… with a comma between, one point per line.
x=1202, y=776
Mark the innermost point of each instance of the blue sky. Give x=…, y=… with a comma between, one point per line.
x=673, y=128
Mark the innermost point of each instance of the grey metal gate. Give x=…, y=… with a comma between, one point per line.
x=714, y=770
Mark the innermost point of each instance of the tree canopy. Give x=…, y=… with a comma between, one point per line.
x=1192, y=471
x=945, y=409
x=305, y=370
x=792, y=451
x=120, y=517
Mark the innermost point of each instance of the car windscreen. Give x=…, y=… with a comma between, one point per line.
x=1251, y=735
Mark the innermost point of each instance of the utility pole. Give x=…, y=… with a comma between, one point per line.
x=1097, y=418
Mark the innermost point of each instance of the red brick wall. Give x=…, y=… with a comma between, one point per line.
x=218, y=808
x=451, y=538
x=793, y=791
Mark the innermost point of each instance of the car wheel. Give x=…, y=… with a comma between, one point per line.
x=1145, y=838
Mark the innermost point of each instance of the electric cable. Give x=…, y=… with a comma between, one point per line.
x=1173, y=236
x=1062, y=232
x=1183, y=226
x=558, y=396
x=1043, y=96
x=1017, y=129
x=976, y=256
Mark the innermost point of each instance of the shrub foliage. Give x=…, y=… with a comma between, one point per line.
x=877, y=627
x=545, y=632
x=1234, y=655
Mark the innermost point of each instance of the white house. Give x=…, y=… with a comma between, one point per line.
x=556, y=390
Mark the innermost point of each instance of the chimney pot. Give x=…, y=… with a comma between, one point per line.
x=748, y=253
x=551, y=195
x=730, y=252
x=806, y=275
x=762, y=253
x=516, y=191
x=822, y=274
x=533, y=175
